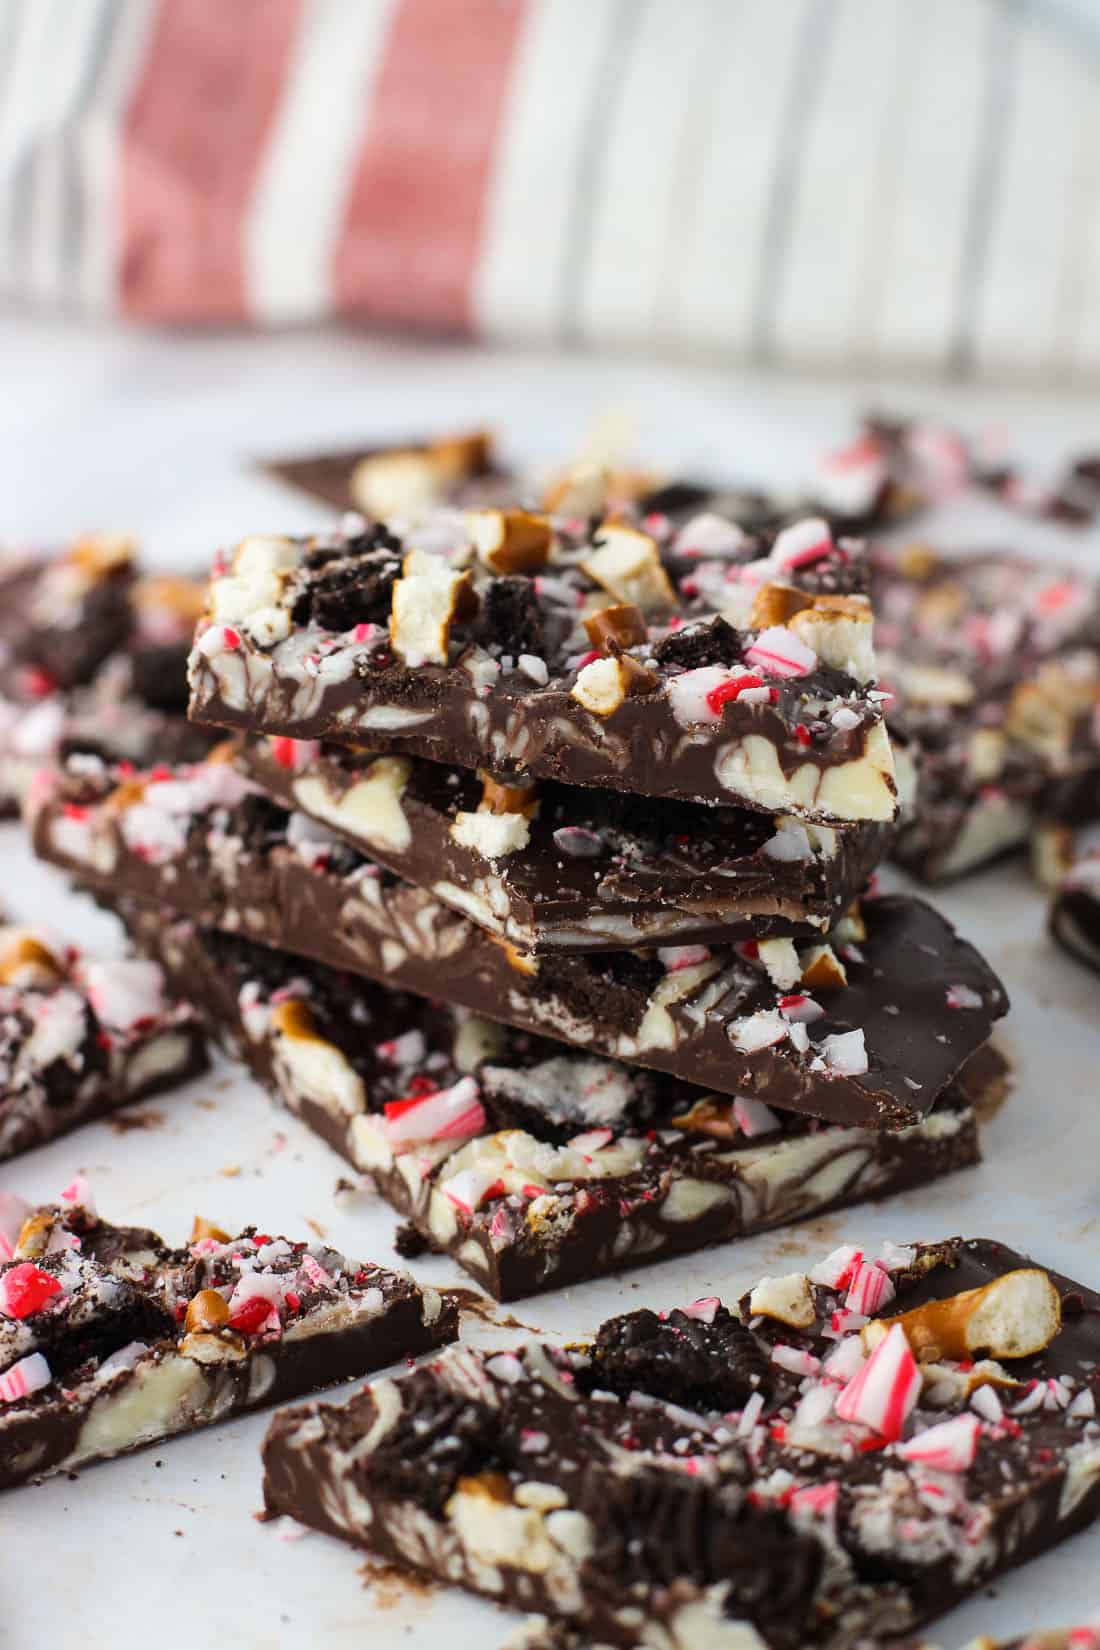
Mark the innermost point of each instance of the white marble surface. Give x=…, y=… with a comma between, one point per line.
x=155, y=434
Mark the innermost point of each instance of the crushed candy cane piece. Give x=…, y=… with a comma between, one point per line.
x=703, y=1310
x=963, y=996
x=29, y=1375
x=885, y=1390
x=753, y=1117
x=870, y=1289
x=779, y=652
x=949, y=1446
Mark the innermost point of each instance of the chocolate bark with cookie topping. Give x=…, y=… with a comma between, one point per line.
x=555, y=868
x=109, y=1340
x=866, y=1027
x=835, y=1463
x=82, y=1036
x=688, y=666
x=531, y=1165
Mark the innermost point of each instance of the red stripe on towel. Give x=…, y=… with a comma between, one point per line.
x=193, y=139
x=413, y=226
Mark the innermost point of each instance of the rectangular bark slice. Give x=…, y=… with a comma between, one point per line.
x=869, y=1032
x=81, y=1037
x=690, y=667
x=110, y=1340
x=994, y=665
x=560, y=868
x=534, y=1166
x=761, y=1476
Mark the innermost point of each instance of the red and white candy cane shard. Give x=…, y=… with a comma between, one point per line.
x=800, y=1008
x=468, y=1189
x=963, y=996
x=802, y=543
x=796, y=1360
x=838, y=1268
x=753, y=1117
x=592, y=1140
x=779, y=652
x=870, y=1289
x=950, y=1446
x=29, y=1375
x=818, y=1499
x=676, y=957
x=703, y=1310
x=13, y=1212
x=314, y=1273
x=79, y=1194
x=885, y=1390
x=448, y=1114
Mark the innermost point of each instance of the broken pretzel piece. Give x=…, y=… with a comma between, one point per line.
x=1015, y=1316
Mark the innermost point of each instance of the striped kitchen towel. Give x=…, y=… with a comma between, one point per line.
x=812, y=182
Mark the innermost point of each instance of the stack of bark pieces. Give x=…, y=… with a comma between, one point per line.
x=534, y=876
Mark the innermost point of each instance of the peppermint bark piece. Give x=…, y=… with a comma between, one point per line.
x=835, y=1462
x=532, y=1165
x=528, y=644
x=867, y=1026
x=559, y=868
x=81, y=1037
x=994, y=667
x=1069, y=862
x=133, y=706
x=109, y=1340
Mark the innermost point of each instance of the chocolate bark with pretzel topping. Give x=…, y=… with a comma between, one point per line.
x=110, y=1340
x=741, y=689
x=867, y=1029
x=82, y=1036
x=771, y=1476
x=560, y=868
x=531, y=1165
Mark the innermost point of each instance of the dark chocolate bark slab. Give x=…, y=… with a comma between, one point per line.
x=555, y=868
x=684, y=665
x=836, y=1462
x=110, y=1340
x=533, y=1166
x=82, y=1036
x=870, y=1032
